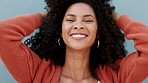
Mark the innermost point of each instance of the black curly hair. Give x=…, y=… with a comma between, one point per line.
x=45, y=42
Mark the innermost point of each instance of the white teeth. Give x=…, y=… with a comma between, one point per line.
x=78, y=36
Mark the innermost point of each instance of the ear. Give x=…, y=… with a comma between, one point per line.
x=97, y=34
x=61, y=35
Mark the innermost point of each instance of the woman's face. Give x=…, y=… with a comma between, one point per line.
x=79, y=26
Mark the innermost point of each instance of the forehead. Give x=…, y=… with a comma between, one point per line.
x=80, y=8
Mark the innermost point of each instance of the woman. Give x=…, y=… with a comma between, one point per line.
x=77, y=42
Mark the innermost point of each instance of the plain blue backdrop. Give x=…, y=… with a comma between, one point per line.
x=136, y=9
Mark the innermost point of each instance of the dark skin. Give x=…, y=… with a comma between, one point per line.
x=76, y=67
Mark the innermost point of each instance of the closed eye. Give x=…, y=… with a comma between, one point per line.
x=70, y=20
x=88, y=20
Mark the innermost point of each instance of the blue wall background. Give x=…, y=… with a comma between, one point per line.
x=136, y=9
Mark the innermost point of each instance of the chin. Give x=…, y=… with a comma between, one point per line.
x=79, y=47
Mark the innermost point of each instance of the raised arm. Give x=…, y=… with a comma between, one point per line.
x=18, y=58
x=134, y=68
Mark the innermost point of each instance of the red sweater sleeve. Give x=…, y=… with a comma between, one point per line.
x=18, y=58
x=134, y=68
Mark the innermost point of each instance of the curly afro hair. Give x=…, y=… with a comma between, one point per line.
x=45, y=42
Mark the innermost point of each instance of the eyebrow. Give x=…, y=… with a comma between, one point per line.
x=87, y=15
x=71, y=15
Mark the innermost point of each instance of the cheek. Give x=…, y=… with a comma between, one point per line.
x=93, y=30
x=65, y=31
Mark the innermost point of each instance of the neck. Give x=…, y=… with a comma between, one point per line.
x=76, y=64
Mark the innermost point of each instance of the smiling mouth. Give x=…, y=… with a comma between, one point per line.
x=78, y=36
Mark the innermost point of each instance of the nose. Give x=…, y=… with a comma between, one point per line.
x=78, y=25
